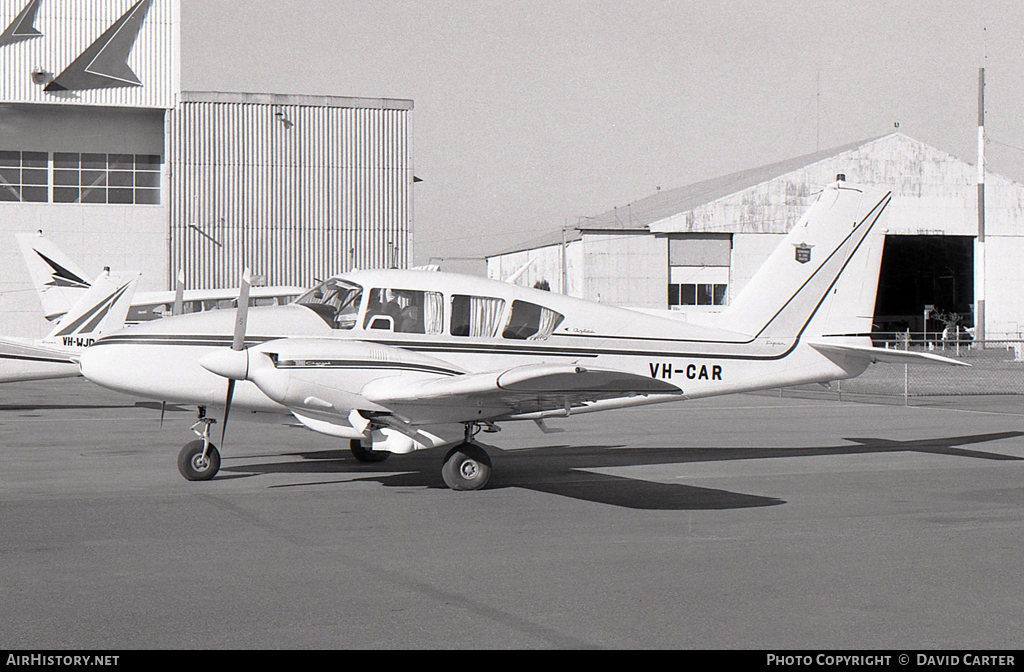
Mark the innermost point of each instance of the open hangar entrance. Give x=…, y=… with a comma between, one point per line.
x=922, y=271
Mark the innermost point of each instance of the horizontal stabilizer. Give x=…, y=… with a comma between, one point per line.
x=873, y=355
x=100, y=310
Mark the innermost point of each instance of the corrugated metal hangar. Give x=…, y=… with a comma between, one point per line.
x=102, y=150
x=694, y=247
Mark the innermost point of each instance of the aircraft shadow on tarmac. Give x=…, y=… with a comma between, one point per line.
x=27, y=407
x=566, y=470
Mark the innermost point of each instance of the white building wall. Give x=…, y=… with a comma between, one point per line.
x=1004, y=299
x=626, y=269
x=545, y=263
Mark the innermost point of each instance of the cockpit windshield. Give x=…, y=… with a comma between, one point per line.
x=336, y=301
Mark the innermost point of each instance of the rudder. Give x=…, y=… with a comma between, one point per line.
x=58, y=280
x=823, y=277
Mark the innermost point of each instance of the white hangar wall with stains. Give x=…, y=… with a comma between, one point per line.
x=695, y=247
x=119, y=167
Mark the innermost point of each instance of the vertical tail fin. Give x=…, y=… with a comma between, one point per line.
x=101, y=310
x=57, y=279
x=823, y=276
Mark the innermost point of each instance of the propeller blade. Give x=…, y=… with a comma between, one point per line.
x=227, y=410
x=241, y=312
x=179, y=294
x=237, y=343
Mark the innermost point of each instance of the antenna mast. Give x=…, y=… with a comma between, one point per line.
x=979, y=260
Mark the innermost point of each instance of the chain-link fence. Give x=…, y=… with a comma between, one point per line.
x=996, y=367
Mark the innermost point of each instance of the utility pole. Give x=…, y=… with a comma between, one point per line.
x=565, y=272
x=979, y=256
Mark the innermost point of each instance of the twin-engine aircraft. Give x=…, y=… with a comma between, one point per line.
x=397, y=361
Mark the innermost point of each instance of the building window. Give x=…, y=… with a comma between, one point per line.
x=23, y=176
x=128, y=179
x=687, y=294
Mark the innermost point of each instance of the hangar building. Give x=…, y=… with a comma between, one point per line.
x=693, y=248
x=102, y=151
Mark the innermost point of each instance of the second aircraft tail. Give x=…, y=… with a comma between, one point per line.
x=58, y=280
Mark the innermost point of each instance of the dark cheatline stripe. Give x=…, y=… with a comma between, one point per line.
x=357, y=364
x=437, y=348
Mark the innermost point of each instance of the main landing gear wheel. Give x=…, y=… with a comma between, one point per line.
x=467, y=466
x=364, y=454
x=193, y=466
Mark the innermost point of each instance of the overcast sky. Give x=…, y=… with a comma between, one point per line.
x=530, y=114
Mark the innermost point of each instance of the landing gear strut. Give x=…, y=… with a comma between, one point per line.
x=467, y=466
x=199, y=459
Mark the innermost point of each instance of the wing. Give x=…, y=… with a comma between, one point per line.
x=510, y=392
x=325, y=379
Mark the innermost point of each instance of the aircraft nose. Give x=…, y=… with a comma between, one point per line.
x=88, y=364
x=104, y=366
x=233, y=364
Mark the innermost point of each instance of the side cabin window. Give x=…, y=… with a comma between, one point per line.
x=336, y=301
x=529, y=321
x=404, y=311
x=476, y=315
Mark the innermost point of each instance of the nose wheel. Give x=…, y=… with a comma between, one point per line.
x=199, y=459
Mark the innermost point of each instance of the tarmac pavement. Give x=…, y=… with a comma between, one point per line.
x=743, y=522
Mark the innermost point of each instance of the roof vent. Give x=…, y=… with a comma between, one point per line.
x=841, y=177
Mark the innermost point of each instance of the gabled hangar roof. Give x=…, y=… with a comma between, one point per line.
x=657, y=212
x=640, y=214
x=572, y=234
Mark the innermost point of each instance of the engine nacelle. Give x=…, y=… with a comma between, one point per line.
x=394, y=442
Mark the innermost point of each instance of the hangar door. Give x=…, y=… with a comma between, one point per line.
x=919, y=271
x=698, y=270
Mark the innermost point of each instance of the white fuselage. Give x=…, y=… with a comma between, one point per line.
x=160, y=359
